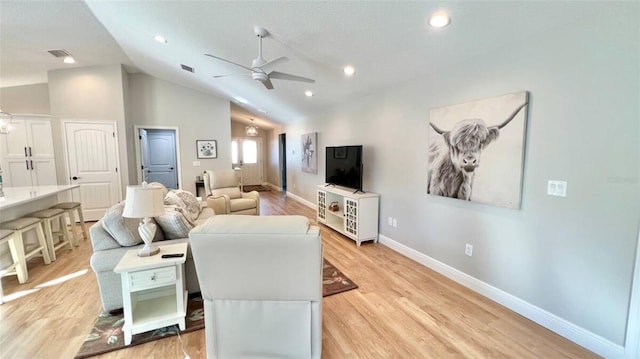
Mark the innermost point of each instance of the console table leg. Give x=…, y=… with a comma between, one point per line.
x=127, y=336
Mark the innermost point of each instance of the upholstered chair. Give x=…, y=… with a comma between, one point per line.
x=222, y=188
x=261, y=283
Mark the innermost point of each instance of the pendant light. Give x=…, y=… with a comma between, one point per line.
x=5, y=122
x=252, y=129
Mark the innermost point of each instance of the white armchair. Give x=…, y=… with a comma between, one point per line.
x=222, y=188
x=261, y=281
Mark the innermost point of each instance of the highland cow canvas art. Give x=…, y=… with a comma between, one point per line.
x=476, y=150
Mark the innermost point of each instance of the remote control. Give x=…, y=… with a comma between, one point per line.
x=173, y=255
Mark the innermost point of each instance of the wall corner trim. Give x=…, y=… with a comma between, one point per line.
x=579, y=335
x=301, y=200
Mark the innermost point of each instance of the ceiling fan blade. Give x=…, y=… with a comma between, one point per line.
x=219, y=76
x=282, y=76
x=231, y=62
x=267, y=84
x=274, y=62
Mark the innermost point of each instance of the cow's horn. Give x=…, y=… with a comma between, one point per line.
x=512, y=115
x=439, y=131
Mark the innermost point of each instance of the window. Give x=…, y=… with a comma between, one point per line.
x=248, y=153
x=234, y=151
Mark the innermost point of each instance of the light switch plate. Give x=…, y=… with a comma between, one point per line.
x=557, y=188
x=196, y=163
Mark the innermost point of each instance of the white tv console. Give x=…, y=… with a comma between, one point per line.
x=357, y=217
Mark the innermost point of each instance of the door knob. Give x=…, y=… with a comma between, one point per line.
x=171, y=168
x=75, y=178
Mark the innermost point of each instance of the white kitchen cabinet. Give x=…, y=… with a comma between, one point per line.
x=357, y=214
x=27, y=152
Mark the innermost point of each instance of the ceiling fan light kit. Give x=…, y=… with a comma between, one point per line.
x=260, y=67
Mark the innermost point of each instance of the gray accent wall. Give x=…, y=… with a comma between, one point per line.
x=571, y=256
x=199, y=116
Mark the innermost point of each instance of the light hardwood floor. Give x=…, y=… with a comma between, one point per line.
x=400, y=310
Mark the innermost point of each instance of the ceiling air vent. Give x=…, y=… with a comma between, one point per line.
x=59, y=53
x=188, y=68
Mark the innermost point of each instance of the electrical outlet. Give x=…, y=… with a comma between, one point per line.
x=390, y=221
x=468, y=250
x=395, y=223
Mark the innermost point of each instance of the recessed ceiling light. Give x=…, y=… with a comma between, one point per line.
x=439, y=19
x=69, y=60
x=308, y=93
x=160, y=38
x=349, y=70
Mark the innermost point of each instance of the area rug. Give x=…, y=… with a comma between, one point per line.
x=107, y=334
x=258, y=188
x=334, y=281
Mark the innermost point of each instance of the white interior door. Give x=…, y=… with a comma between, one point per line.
x=247, y=154
x=92, y=160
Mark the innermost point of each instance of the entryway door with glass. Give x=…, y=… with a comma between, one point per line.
x=247, y=154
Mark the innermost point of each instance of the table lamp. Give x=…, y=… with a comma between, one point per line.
x=145, y=202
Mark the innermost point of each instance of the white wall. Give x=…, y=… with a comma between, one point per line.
x=28, y=99
x=88, y=94
x=199, y=116
x=573, y=256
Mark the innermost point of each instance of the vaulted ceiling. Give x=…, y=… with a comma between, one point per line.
x=388, y=43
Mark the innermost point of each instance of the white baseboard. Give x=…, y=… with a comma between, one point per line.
x=274, y=187
x=579, y=335
x=301, y=200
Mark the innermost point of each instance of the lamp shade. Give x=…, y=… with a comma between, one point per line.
x=143, y=201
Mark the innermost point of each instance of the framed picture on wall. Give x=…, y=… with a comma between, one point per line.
x=207, y=148
x=309, y=155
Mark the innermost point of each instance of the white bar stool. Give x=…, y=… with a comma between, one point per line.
x=69, y=208
x=16, y=244
x=48, y=216
x=5, y=236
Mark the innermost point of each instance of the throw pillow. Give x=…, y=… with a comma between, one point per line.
x=124, y=230
x=185, y=200
x=174, y=224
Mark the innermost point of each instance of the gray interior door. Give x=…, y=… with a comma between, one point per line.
x=282, y=141
x=159, y=159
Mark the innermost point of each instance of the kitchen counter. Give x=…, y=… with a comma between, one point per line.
x=18, y=201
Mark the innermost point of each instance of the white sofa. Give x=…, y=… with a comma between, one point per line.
x=261, y=281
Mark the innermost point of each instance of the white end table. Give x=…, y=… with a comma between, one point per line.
x=153, y=290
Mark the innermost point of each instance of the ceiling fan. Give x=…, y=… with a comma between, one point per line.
x=260, y=66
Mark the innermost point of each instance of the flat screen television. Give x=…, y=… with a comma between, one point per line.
x=344, y=166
